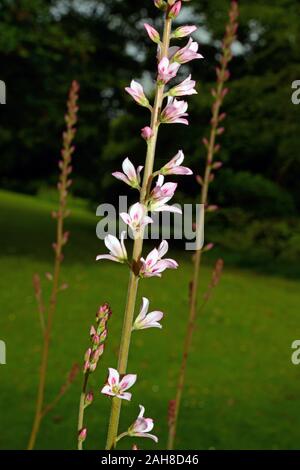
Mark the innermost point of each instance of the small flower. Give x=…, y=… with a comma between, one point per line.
x=117, y=249
x=160, y=195
x=184, y=31
x=131, y=176
x=147, y=320
x=154, y=265
x=82, y=435
x=187, y=87
x=185, y=54
x=152, y=33
x=174, y=112
x=167, y=71
x=174, y=10
x=173, y=167
x=142, y=426
x=137, y=92
x=115, y=387
x=147, y=133
x=136, y=218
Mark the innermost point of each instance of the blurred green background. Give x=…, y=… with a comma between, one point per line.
x=242, y=389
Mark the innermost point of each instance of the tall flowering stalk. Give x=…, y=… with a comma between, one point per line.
x=98, y=336
x=61, y=240
x=212, y=149
x=151, y=199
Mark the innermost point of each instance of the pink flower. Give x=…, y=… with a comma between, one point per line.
x=154, y=265
x=152, y=33
x=173, y=167
x=147, y=320
x=137, y=92
x=142, y=426
x=186, y=54
x=131, y=176
x=174, y=112
x=187, y=87
x=117, y=249
x=160, y=195
x=167, y=71
x=147, y=133
x=136, y=218
x=184, y=31
x=116, y=388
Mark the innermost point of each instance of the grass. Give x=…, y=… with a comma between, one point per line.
x=242, y=390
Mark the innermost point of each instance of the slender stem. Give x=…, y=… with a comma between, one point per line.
x=197, y=256
x=82, y=407
x=137, y=249
x=47, y=337
x=64, y=183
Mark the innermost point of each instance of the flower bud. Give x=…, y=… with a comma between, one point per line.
x=88, y=399
x=174, y=10
x=184, y=31
x=146, y=133
x=82, y=435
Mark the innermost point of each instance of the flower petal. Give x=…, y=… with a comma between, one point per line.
x=127, y=381
x=113, y=377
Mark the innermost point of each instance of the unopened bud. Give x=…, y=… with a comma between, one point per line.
x=88, y=399
x=174, y=10
x=146, y=133
x=82, y=435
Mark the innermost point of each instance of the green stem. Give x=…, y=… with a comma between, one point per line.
x=196, y=269
x=82, y=407
x=137, y=250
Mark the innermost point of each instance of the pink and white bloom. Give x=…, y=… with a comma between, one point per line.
x=137, y=92
x=173, y=167
x=166, y=70
x=147, y=320
x=116, y=388
x=160, y=195
x=136, y=218
x=154, y=265
x=184, y=31
x=117, y=250
x=185, y=88
x=185, y=54
x=130, y=175
x=142, y=426
x=174, y=112
x=152, y=33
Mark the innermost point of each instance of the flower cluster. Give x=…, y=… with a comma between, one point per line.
x=155, y=194
x=98, y=336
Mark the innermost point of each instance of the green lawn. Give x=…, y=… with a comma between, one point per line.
x=242, y=391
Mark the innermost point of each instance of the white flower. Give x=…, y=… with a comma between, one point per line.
x=136, y=218
x=117, y=249
x=147, y=320
x=116, y=388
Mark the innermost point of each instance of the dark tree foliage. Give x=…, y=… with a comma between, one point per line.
x=46, y=44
